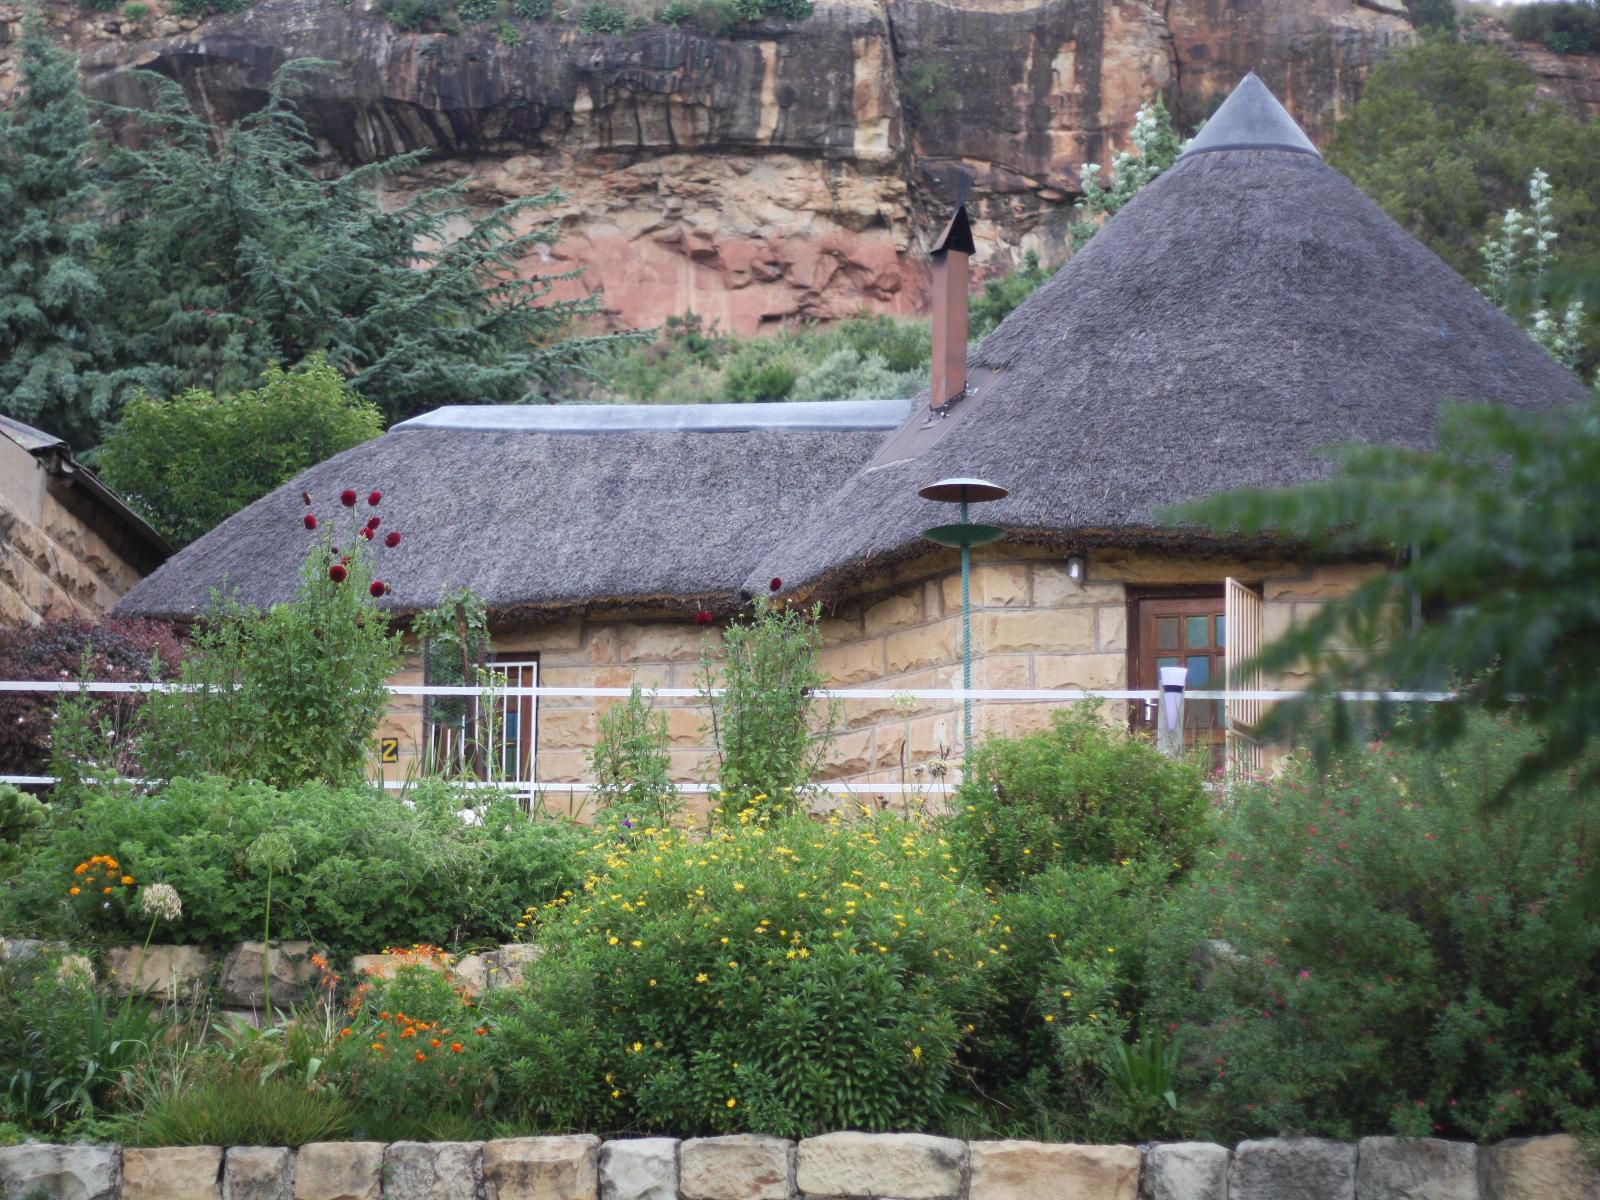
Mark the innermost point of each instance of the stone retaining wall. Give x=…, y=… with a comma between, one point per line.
x=835, y=1166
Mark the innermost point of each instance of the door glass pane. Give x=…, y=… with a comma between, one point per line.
x=1167, y=662
x=1166, y=633
x=1222, y=631
x=1199, y=670
x=1198, y=627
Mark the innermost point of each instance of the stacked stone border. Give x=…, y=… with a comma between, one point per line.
x=834, y=1166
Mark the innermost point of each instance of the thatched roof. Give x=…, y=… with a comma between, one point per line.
x=542, y=508
x=1245, y=309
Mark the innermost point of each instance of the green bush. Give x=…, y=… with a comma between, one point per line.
x=135, y=12
x=475, y=12
x=786, y=978
x=1567, y=27
x=370, y=869
x=750, y=379
x=602, y=17
x=1432, y=14
x=763, y=720
x=1376, y=948
x=633, y=765
x=509, y=35
x=531, y=10
x=1078, y=792
x=221, y=1103
x=22, y=818
x=420, y=16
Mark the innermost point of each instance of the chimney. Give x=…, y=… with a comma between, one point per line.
x=950, y=254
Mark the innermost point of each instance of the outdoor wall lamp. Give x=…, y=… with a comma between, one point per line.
x=1077, y=568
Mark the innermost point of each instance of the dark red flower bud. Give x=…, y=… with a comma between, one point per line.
x=702, y=617
x=374, y=522
x=392, y=540
x=305, y=497
x=366, y=533
x=348, y=497
x=775, y=584
x=374, y=496
x=378, y=587
x=337, y=572
x=311, y=521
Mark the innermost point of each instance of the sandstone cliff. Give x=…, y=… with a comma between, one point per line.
x=786, y=170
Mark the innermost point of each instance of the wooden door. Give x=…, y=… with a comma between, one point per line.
x=1246, y=625
x=1182, y=631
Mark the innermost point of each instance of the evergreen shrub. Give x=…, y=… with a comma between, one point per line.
x=1567, y=26
x=787, y=978
x=531, y=10
x=633, y=765
x=603, y=17
x=1079, y=792
x=752, y=378
x=1381, y=948
x=475, y=12
x=371, y=869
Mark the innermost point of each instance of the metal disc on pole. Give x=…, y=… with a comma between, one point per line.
x=963, y=491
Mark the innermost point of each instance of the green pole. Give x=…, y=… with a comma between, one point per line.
x=966, y=633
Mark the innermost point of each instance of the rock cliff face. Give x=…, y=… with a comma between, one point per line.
x=786, y=170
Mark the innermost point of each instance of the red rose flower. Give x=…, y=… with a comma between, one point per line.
x=366, y=533
x=378, y=587
x=311, y=521
x=374, y=496
x=348, y=497
x=775, y=584
x=703, y=617
x=337, y=572
x=374, y=522
x=392, y=540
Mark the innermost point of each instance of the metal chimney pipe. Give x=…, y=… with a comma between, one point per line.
x=950, y=256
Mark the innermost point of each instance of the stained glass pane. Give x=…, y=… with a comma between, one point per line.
x=1222, y=631
x=1198, y=628
x=1199, y=670
x=1166, y=633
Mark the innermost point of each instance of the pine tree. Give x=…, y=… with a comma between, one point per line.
x=56, y=347
x=228, y=259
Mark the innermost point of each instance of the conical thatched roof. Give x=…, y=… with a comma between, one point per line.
x=543, y=508
x=1247, y=308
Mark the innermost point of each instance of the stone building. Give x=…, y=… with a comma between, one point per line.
x=69, y=545
x=1248, y=308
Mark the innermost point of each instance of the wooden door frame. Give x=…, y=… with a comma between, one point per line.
x=1188, y=591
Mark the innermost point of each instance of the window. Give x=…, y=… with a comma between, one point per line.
x=1188, y=628
x=488, y=735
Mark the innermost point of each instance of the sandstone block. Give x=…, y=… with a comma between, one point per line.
x=1416, y=1169
x=471, y=972
x=926, y=646
x=258, y=1173
x=908, y=1166
x=1185, y=1171
x=1066, y=630
x=339, y=1171
x=895, y=612
x=852, y=662
x=541, y=1168
x=1293, y=1169
x=660, y=643
x=1015, y=1170
x=1322, y=583
x=60, y=1172
x=511, y=962
x=169, y=972
x=1090, y=672
x=567, y=728
x=994, y=585
x=738, y=1167
x=1111, y=627
x=639, y=1169
x=1004, y=671
x=289, y=963
x=686, y=726
x=432, y=1170
x=1052, y=588
x=172, y=1173
x=1541, y=1168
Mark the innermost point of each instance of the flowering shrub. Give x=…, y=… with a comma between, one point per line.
x=1380, y=951
x=1078, y=792
x=789, y=978
x=368, y=868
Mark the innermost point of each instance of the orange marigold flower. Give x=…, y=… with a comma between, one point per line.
x=127, y=881
x=107, y=891
x=80, y=868
x=421, y=1057
x=72, y=891
x=480, y=1031
x=407, y=1033
x=455, y=1047
x=435, y=1043
x=346, y=1031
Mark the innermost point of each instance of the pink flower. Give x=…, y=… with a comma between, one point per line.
x=348, y=497
x=378, y=587
x=703, y=617
x=366, y=533
x=311, y=521
x=373, y=497
x=775, y=584
x=337, y=572
x=374, y=522
x=393, y=539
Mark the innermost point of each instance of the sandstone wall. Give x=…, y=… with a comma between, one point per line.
x=835, y=1165
x=1032, y=628
x=61, y=553
x=786, y=170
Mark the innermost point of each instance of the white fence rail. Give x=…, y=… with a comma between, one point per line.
x=1149, y=696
